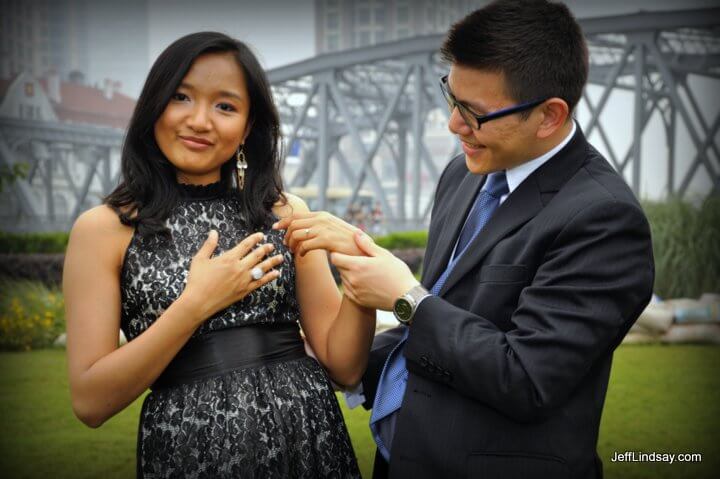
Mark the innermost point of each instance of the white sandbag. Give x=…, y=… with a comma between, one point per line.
x=692, y=311
x=656, y=318
x=709, y=298
x=640, y=338
x=692, y=333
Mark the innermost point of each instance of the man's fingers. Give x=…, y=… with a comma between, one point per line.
x=348, y=291
x=366, y=244
x=344, y=261
x=241, y=249
x=208, y=247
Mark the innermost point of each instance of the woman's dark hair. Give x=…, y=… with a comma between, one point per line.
x=537, y=45
x=148, y=190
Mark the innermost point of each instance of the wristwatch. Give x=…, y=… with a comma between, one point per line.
x=406, y=305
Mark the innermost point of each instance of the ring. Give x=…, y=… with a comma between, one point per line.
x=257, y=273
x=307, y=232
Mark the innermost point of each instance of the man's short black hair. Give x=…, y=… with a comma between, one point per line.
x=536, y=44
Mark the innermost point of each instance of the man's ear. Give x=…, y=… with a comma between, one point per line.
x=555, y=113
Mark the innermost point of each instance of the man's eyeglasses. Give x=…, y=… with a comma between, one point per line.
x=474, y=120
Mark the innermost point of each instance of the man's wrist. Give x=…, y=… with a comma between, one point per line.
x=406, y=305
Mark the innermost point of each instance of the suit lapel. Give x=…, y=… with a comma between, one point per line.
x=521, y=206
x=456, y=213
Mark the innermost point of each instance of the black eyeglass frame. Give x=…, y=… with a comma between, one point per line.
x=474, y=120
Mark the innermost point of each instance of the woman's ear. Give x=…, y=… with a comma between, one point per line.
x=554, y=114
x=248, y=127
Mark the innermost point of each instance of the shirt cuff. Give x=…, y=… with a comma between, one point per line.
x=354, y=397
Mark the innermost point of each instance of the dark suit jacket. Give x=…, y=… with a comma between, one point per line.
x=509, y=364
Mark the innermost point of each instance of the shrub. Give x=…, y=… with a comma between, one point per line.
x=686, y=244
x=33, y=242
x=46, y=268
x=31, y=315
x=403, y=240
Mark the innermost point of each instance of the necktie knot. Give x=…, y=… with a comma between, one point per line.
x=497, y=184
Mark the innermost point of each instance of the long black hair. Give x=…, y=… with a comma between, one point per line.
x=148, y=190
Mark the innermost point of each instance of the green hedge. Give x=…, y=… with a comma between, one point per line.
x=686, y=244
x=685, y=241
x=403, y=240
x=33, y=242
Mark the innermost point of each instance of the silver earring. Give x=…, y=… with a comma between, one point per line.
x=241, y=167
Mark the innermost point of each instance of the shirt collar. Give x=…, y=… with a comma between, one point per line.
x=517, y=175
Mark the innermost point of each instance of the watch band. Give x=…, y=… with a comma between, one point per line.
x=418, y=293
x=412, y=298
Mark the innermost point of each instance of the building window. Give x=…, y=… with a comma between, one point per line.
x=403, y=14
x=362, y=38
x=379, y=14
x=332, y=20
x=333, y=42
x=403, y=32
x=362, y=15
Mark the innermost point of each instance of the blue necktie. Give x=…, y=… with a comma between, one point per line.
x=391, y=387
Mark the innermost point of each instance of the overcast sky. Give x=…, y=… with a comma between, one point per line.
x=127, y=35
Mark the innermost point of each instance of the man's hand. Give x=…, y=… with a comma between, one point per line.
x=376, y=280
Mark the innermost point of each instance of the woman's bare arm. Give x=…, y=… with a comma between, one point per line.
x=105, y=378
x=339, y=331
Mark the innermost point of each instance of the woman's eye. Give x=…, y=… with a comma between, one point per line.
x=226, y=107
x=179, y=97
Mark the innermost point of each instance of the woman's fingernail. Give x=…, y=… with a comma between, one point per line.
x=274, y=225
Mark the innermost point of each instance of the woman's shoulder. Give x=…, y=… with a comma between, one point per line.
x=100, y=230
x=289, y=205
x=100, y=219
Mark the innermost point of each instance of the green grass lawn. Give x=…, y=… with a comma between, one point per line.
x=661, y=399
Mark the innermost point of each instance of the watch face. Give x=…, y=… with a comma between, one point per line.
x=403, y=309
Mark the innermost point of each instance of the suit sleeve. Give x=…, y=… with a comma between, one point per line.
x=595, y=279
x=382, y=345
x=384, y=342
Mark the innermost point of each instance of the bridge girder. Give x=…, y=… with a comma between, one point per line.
x=371, y=107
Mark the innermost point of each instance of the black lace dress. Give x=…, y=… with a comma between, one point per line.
x=279, y=419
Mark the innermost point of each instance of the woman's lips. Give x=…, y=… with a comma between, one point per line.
x=193, y=143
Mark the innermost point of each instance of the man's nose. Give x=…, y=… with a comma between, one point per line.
x=457, y=124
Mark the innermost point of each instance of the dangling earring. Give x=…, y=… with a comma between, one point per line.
x=241, y=167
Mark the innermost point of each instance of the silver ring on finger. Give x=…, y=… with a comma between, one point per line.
x=257, y=273
x=307, y=233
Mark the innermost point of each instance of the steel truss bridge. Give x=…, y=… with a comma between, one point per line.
x=363, y=117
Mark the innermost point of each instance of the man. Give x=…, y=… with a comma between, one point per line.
x=538, y=262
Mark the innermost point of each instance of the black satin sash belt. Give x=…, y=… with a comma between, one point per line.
x=226, y=350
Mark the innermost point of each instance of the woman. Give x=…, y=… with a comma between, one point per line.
x=182, y=258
